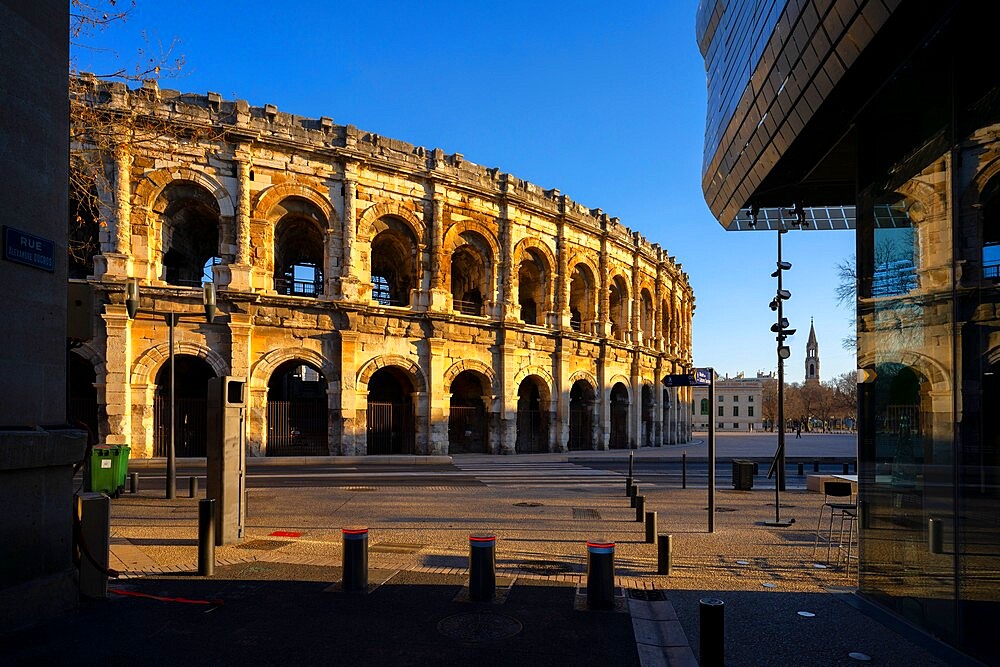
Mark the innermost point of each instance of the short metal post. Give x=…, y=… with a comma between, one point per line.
x=632, y=495
x=628, y=486
x=756, y=468
x=684, y=470
x=663, y=549
x=192, y=486
x=815, y=465
x=801, y=469
x=712, y=619
x=650, y=527
x=631, y=457
x=847, y=468
x=640, y=508
x=133, y=482
x=935, y=536
x=355, y=558
x=482, y=567
x=206, y=537
x=600, y=574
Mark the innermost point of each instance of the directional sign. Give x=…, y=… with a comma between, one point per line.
x=682, y=380
x=702, y=376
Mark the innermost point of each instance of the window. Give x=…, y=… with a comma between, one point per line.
x=736, y=399
x=380, y=290
x=722, y=411
x=735, y=425
x=736, y=411
x=704, y=406
x=750, y=399
x=721, y=398
x=750, y=411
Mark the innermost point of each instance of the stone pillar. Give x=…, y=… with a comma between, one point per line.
x=349, y=283
x=561, y=316
x=241, y=272
x=117, y=382
x=439, y=396
x=657, y=409
x=604, y=305
x=603, y=420
x=507, y=272
x=118, y=262
x=353, y=400
x=508, y=404
x=657, y=342
x=240, y=365
x=635, y=302
x=559, y=429
x=440, y=297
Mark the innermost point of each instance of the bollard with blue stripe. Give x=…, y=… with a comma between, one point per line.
x=355, y=559
x=482, y=567
x=600, y=574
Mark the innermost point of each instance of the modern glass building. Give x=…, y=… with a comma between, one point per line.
x=884, y=115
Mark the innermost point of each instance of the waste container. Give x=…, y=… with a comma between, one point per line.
x=107, y=469
x=742, y=475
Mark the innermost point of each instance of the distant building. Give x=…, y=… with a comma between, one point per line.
x=812, y=357
x=737, y=407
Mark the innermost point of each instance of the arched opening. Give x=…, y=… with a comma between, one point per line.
x=581, y=298
x=581, y=416
x=619, y=417
x=532, y=418
x=531, y=288
x=468, y=426
x=646, y=316
x=618, y=308
x=298, y=248
x=647, y=415
x=903, y=421
x=83, y=240
x=393, y=262
x=468, y=279
x=190, y=406
x=190, y=233
x=390, y=412
x=82, y=393
x=990, y=200
x=297, y=412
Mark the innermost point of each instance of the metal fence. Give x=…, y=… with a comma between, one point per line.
x=191, y=420
x=532, y=431
x=390, y=428
x=467, y=428
x=581, y=430
x=297, y=428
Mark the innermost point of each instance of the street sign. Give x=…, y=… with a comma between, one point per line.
x=702, y=376
x=28, y=249
x=681, y=380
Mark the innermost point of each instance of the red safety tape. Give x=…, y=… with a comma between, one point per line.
x=118, y=591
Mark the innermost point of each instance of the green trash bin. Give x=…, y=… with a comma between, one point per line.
x=119, y=463
x=101, y=473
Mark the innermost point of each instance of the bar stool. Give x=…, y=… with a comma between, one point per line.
x=833, y=490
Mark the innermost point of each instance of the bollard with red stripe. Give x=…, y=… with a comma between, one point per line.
x=355, y=558
x=482, y=567
x=600, y=574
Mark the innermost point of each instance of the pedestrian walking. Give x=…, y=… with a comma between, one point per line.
x=798, y=430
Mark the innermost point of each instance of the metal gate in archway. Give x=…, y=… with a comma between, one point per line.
x=391, y=428
x=297, y=428
x=467, y=429
x=190, y=417
x=532, y=431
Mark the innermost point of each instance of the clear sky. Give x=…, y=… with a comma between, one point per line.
x=603, y=101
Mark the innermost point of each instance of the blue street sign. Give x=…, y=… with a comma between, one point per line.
x=702, y=376
x=25, y=248
x=682, y=380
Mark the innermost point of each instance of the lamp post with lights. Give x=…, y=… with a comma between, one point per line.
x=132, y=307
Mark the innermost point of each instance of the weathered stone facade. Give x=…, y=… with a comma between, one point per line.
x=416, y=286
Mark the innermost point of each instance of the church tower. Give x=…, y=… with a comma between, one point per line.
x=812, y=356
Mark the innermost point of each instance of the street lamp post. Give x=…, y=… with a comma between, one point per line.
x=781, y=329
x=132, y=306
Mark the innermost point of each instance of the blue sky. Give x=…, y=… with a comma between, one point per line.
x=605, y=102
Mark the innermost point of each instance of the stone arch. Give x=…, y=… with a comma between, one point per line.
x=986, y=173
x=269, y=198
x=375, y=212
x=453, y=238
x=586, y=376
x=930, y=368
x=88, y=352
x=544, y=375
x=153, y=183
x=146, y=364
x=470, y=365
x=533, y=265
x=619, y=379
x=412, y=370
x=524, y=245
x=262, y=370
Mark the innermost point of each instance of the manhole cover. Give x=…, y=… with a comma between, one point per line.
x=644, y=594
x=263, y=545
x=585, y=513
x=479, y=626
x=527, y=504
x=546, y=567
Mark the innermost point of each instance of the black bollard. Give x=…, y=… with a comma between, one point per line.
x=663, y=565
x=206, y=537
x=600, y=574
x=801, y=469
x=134, y=482
x=712, y=618
x=650, y=527
x=756, y=468
x=192, y=487
x=628, y=487
x=640, y=508
x=355, y=558
x=847, y=468
x=935, y=536
x=633, y=494
x=631, y=456
x=684, y=470
x=482, y=567
x=815, y=465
